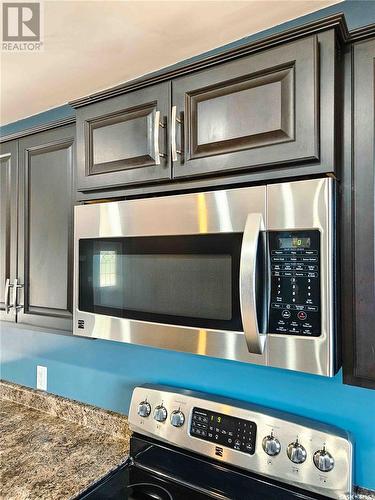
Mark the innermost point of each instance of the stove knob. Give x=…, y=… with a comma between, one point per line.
x=144, y=409
x=177, y=418
x=271, y=445
x=323, y=460
x=296, y=452
x=160, y=413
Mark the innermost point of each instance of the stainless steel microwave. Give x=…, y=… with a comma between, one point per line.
x=243, y=274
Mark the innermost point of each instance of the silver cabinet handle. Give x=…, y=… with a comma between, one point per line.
x=6, y=295
x=248, y=265
x=16, y=286
x=157, y=124
x=174, y=121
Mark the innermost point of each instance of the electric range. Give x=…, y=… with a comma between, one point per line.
x=193, y=446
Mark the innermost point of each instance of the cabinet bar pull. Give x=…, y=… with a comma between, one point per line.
x=6, y=295
x=16, y=286
x=174, y=121
x=157, y=124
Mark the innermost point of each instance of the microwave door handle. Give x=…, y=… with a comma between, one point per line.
x=248, y=265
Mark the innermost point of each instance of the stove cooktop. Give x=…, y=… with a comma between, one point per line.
x=158, y=471
x=193, y=446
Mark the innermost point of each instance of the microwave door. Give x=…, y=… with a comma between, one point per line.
x=166, y=272
x=253, y=283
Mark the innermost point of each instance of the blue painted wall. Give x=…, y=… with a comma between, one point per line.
x=104, y=373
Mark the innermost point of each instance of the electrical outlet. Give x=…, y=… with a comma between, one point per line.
x=41, y=378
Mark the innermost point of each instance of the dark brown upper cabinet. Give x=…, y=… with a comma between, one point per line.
x=266, y=114
x=249, y=113
x=8, y=227
x=358, y=223
x=123, y=140
x=45, y=229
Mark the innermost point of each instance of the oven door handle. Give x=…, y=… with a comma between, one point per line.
x=255, y=339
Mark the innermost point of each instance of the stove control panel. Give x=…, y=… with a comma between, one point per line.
x=295, y=307
x=235, y=433
x=310, y=455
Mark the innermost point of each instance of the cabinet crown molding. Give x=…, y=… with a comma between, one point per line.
x=38, y=128
x=335, y=21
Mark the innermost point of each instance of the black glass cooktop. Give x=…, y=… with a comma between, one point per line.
x=159, y=472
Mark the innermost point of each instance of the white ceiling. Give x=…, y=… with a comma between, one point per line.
x=92, y=45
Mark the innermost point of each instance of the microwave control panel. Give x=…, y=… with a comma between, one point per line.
x=295, y=307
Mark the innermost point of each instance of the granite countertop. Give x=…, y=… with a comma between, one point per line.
x=55, y=448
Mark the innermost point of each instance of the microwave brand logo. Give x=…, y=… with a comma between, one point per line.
x=81, y=324
x=22, y=27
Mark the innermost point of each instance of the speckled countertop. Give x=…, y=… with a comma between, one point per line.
x=54, y=448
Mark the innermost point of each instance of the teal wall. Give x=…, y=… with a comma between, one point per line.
x=104, y=373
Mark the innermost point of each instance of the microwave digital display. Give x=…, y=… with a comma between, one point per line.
x=294, y=242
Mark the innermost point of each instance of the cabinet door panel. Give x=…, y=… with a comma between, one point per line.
x=123, y=143
x=252, y=112
x=221, y=119
x=45, y=229
x=8, y=224
x=119, y=139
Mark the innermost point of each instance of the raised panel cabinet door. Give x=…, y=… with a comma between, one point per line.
x=45, y=236
x=8, y=227
x=123, y=140
x=359, y=364
x=253, y=112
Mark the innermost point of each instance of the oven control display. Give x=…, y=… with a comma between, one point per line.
x=295, y=283
x=225, y=430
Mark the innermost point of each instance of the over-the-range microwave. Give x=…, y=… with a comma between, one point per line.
x=245, y=274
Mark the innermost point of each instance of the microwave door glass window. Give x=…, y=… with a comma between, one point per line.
x=177, y=280
x=107, y=277
x=107, y=268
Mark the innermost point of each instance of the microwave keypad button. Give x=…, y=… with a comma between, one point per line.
x=294, y=330
x=309, y=259
x=282, y=329
x=279, y=259
x=276, y=306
